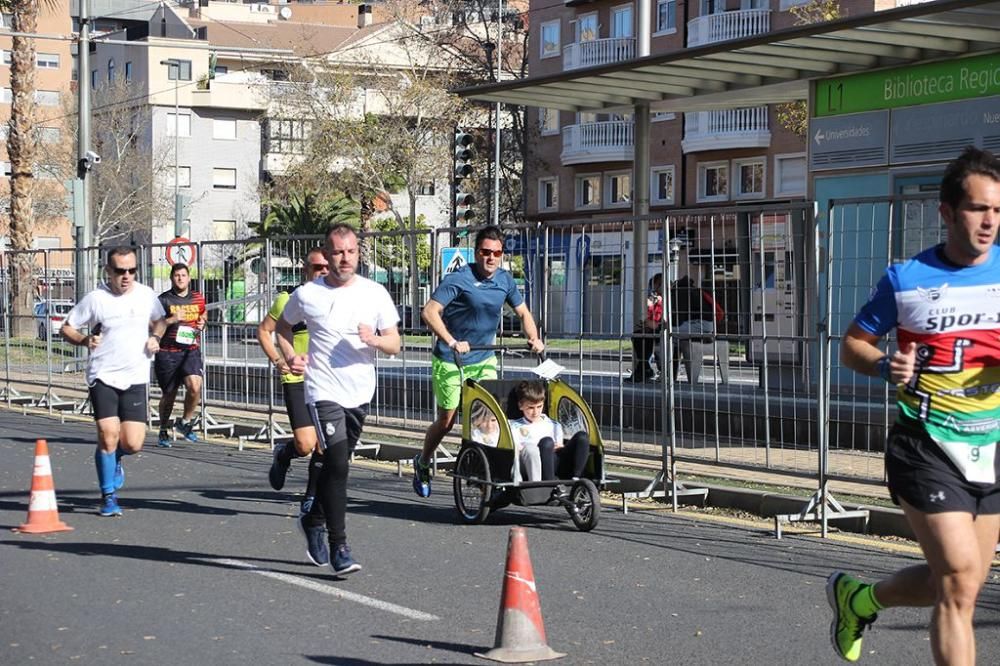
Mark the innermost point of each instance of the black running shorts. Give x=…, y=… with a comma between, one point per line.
x=128, y=405
x=171, y=367
x=336, y=424
x=295, y=405
x=921, y=474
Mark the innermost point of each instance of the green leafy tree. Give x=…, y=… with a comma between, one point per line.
x=794, y=116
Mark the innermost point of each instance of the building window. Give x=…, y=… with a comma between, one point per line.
x=93, y=79
x=224, y=128
x=42, y=60
x=619, y=189
x=46, y=243
x=790, y=175
x=5, y=170
x=587, y=27
x=666, y=16
x=183, y=176
x=588, y=191
x=550, y=45
x=749, y=182
x=178, y=125
x=221, y=69
x=713, y=181
x=659, y=116
x=47, y=97
x=426, y=189
x=6, y=20
x=661, y=184
x=184, y=73
x=224, y=230
x=111, y=69
x=128, y=71
x=287, y=137
x=548, y=121
x=548, y=194
x=224, y=179
x=47, y=60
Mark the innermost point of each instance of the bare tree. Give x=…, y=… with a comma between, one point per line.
x=380, y=121
x=132, y=186
x=482, y=45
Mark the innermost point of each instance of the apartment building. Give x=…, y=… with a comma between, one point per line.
x=52, y=80
x=582, y=162
x=219, y=73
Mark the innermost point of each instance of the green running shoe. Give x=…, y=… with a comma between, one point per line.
x=847, y=626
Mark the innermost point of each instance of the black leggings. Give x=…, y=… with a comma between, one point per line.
x=339, y=430
x=568, y=462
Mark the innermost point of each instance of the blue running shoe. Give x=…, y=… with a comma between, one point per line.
x=164, y=440
x=421, y=478
x=109, y=505
x=316, y=547
x=186, y=429
x=343, y=563
x=279, y=468
x=119, y=474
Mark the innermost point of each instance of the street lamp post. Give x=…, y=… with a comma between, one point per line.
x=175, y=65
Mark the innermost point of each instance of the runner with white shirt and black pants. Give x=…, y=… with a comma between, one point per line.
x=126, y=322
x=349, y=318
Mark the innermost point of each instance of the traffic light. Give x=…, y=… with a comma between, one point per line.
x=465, y=153
x=463, y=207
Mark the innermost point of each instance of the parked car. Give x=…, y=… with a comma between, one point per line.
x=50, y=316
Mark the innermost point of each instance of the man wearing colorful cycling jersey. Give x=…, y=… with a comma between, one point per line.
x=941, y=460
x=179, y=359
x=464, y=311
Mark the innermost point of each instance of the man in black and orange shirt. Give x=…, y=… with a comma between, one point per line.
x=179, y=358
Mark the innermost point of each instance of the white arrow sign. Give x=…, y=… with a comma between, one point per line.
x=819, y=136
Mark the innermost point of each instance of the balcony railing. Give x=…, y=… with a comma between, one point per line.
x=597, y=52
x=732, y=128
x=728, y=25
x=606, y=141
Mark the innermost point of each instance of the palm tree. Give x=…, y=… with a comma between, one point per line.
x=21, y=153
x=307, y=214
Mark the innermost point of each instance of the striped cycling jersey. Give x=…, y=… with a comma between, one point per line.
x=188, y=308
x=952, y=313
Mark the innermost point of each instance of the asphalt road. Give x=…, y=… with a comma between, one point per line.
x=207, y=567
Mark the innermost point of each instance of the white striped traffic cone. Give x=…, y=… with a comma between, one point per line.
x=43, y=512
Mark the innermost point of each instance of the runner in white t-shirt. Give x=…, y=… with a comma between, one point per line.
x=125, y=322
x=349, y=318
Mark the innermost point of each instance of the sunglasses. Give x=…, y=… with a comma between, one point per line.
x=123, y=271
x=484, y=252
x=321, y=267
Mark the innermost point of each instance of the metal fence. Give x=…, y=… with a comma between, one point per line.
x=760, y=389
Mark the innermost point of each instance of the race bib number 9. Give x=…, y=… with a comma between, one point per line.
x=975, y=462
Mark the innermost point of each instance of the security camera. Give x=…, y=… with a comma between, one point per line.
x=92, y=157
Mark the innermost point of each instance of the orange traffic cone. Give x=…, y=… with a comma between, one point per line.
x=520, y=633
x=43, y=513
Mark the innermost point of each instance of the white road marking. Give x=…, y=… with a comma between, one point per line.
x=316, y=586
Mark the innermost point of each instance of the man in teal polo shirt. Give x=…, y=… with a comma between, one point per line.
x=464, y=311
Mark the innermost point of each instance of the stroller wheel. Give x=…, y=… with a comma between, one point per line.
x=472, y=485
x=584, y=505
